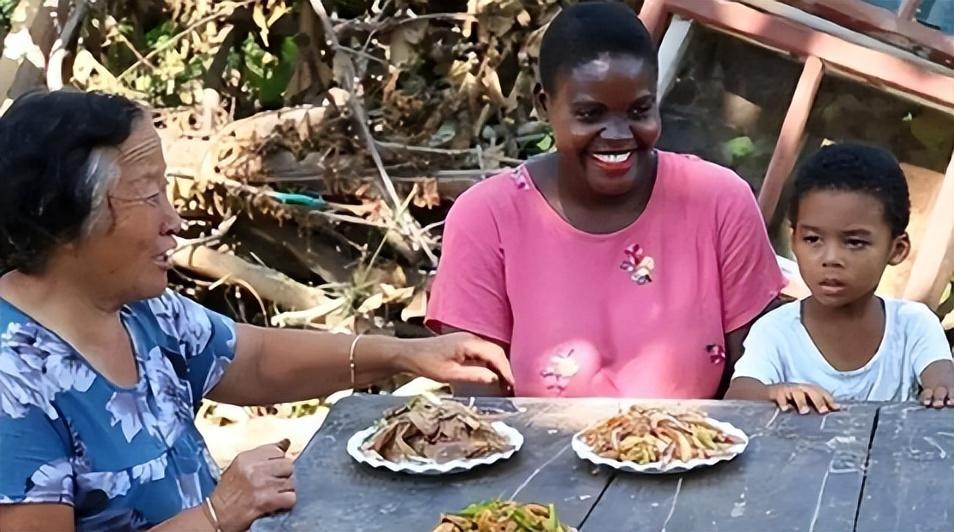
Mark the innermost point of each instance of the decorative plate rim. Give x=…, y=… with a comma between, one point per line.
x=514, y=437
x=585, y=452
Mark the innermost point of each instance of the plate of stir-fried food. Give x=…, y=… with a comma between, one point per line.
x=657, y=440
x=433, y=436
x=503, y=516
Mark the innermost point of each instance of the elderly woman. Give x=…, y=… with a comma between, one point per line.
x=102, y=368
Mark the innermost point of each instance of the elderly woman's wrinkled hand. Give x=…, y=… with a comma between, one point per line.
x=259, y=482
x=462, y=357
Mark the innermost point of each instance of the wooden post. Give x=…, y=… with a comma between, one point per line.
x=671, y=50
x=908, y=9
x=934, y=265
x=654, y=14
x=789, y=139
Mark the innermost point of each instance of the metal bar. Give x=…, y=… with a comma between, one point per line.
x=934, y=264
x=790, y=137
x=671, y=51
x=908, y=9
x=654, y=15
x=862, y=16
x=844, y=29
x=876, y=67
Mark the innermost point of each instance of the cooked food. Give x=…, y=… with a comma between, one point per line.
x=646, y=435
x=431, y=429
x=503, y=516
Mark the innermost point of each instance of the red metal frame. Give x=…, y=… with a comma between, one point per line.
x=908, y=9
x=879, y=68
x=789, y=142
x=821, y=50
x=862, y=16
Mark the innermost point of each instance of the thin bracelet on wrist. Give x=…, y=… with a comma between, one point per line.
x=351, y=364
x=213, y=517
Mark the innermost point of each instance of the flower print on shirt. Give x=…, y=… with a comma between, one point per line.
x=34, y=366
x=115, y=519
x=177, y=319
x=108, y=462
x=51, y=481
x=560, y=370
x=152, y=470
x=521, y=178
x=128, y=409
x=173, y=403
x=716, y=353
x=639, y=266
x=111, y=483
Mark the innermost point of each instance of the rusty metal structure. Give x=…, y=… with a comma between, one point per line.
x=893, y=50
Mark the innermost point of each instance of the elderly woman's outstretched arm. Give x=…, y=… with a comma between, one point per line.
x=283, y=365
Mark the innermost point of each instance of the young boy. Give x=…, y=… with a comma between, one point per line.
x=843, y=343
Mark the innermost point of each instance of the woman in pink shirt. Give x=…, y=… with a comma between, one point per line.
x=608, y=268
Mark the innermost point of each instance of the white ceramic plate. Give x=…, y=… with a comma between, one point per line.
x=430, y=467
x=674, y=466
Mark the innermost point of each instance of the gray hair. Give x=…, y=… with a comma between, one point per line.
x=99, y=175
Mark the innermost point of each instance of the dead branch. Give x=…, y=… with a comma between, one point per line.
x=250, y=129
x=478, y=152
x=63, y=43
x=405, y=222
x=268, y=283
x=229, y=7
x=392, y=22
x=301, y=318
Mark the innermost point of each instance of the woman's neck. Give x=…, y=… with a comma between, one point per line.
x=57, y=301
x=575, y=189
x=583, y=208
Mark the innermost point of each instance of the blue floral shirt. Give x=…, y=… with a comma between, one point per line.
x=124, y=458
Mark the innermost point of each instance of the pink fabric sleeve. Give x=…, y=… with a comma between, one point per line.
x=751, y=277
x=470, y=292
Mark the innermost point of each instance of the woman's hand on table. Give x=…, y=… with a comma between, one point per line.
x=460, y=357
x=258, y=482
x=803, y=396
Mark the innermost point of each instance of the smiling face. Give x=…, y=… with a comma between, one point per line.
x=127, y=249
x=843, y=243
x=606, y=123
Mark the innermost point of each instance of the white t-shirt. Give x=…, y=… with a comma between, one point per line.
x=779, y=349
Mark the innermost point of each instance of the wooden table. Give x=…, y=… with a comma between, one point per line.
x=799, y=473
x=910, y=481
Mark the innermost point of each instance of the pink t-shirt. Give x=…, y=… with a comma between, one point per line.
x=641, y=312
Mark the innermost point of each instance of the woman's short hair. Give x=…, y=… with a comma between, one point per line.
x=54, y=174
x=582, y=32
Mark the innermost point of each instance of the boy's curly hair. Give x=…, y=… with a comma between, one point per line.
x=857, y=168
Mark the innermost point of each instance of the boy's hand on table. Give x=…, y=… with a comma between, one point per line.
x=803, y=397
x=937, y=384
x=937, y=397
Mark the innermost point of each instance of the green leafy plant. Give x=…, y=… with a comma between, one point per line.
x=6, y=13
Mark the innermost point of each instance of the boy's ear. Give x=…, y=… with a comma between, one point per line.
x=899, y=249
x=540, y=99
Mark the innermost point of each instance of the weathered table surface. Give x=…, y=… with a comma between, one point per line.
x=799, y=473
x=910, y=481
